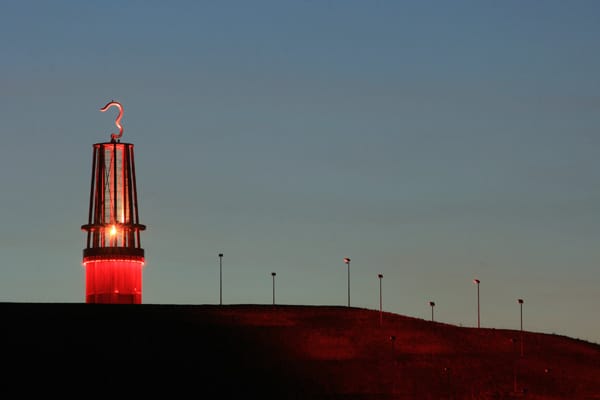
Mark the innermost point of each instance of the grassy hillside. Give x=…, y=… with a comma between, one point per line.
x=303, y=352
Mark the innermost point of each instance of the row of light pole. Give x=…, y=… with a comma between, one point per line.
x=380, y=276
x=273, y=274
x=432, y=303
x=519, y=301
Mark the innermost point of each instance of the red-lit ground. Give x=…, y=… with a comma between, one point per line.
x=299, y=352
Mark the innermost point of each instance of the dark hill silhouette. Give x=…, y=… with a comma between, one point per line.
x=283, y=352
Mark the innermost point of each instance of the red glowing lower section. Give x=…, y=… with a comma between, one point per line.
x=113, y=281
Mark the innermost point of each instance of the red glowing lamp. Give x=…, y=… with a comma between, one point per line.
x=113, y=258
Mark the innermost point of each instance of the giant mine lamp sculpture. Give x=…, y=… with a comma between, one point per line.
x=113, y=258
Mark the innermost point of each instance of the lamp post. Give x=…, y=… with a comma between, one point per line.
x=347, y=261
x=220, y=278
x=520, y=301
x=273, y=275
x=432, y=304
x=477, y=282
x=380, y=276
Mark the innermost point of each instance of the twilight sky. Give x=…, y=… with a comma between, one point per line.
x=432, y=141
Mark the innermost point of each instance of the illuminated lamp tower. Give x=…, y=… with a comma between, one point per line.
x=113, y=258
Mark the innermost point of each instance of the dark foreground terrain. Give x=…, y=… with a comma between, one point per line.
x=279, y=352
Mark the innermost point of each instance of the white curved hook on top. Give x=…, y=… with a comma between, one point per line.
x=114, y=136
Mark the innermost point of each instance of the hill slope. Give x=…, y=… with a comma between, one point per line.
x=308, y=352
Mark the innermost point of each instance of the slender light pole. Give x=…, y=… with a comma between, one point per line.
x=520, y=301
x=477, y=282
x=380, y=276
x=347, y=261
x=432, y=304
x=220, y=278
x=273, y=275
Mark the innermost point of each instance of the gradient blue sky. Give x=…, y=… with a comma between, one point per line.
x=431, y=141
